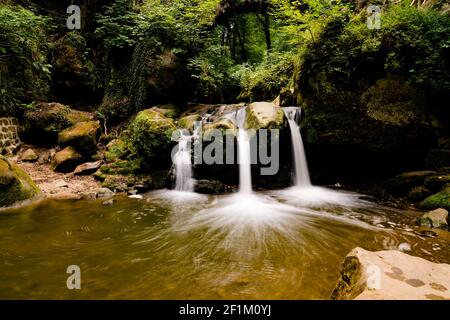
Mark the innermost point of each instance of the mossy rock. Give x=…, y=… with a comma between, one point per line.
x=151, y=138
x=436, y=182
x=188, y=122
x=417, y=194
x=167, y=110
x=264, y=115
x=403, y=183
x=15, y=184
x=116, y=149
x=82, y=136
x=224, y=125
x=66, y=160
x=123, y=167
x=44, y=121
x=437, y=200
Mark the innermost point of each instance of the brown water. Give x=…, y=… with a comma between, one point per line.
x=205, y=248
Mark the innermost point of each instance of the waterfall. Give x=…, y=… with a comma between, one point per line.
x=301, y=173
x=183, y=163
x=244, y=155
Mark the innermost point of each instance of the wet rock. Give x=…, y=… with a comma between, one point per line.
x=15, y=184
x=403, y=183
x=87, y=168
x=404, y=246
x=188, y=122
x=29, y=156
x=66, y=160
x=65, y=196
x=209, y=187
x=438, y=158
x=82, y=136
x=437, y=200
x=391, y=275
x=436, y=182
x=136, y=196
x=160, y=179
x=104, y=193
x=417, y=194
x=109, y=202
x=426, y=233
x=223, y=125
x=264, y=115
x=436, y=219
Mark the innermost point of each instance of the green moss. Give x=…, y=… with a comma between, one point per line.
x=116, y=149
x=82, y=136
x=15, y=184
x=264, y=115
x=151, y=134
x=437, y=200
x=187, y=122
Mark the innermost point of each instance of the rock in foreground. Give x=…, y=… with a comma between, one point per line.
x=391, y=275
x=15, y=184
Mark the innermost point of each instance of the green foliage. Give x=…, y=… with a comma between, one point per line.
x=25, y=73
x=212, y=70
x=412, y=43
x=117, y=25
x=265, y=80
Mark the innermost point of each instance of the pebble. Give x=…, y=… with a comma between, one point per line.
x=404, y=247
x=136, y=196
x=109, y=202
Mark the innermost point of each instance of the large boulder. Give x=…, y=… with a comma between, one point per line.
x=435, y=219
x=437, y=200
x=66, y=160
x=151, y=138
x=264, y=115
x=44, y=121
x=82, y=136
x=403, y=183
x=15, y=184
x=391, y=275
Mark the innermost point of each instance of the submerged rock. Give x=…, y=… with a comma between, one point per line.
x=66, y=160
x=209, y=187
x=391, y=275
x=436, y=219
x=15, y=184
x=104, y=193
x=82, y=136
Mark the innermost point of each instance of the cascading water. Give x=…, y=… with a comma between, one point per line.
x=183, y=164
x=301, y=173
x=244, y=155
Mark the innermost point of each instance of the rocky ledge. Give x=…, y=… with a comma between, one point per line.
x=391, y=275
